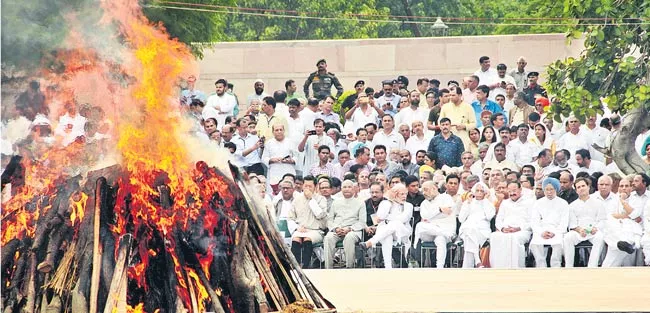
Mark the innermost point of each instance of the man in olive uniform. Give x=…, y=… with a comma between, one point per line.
x=321, y=82
x=533, y=88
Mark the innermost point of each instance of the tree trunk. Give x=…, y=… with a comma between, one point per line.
x=409, y=12
x=622, y=149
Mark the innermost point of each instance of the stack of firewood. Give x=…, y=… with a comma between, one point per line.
x=81, y=264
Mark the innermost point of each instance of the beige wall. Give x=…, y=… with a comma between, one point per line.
x=373, y=60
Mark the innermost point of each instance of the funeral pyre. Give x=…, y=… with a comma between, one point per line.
x=159, y=231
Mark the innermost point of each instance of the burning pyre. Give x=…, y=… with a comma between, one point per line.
x=160, y=232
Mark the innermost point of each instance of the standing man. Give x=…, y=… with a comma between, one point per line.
x=279, y=157
x=575, y=139
x=221, y=102
x=321, y=82
x=482, y=103
x=259, y=93
x=460, y=114
x=520, y=112
x=519, y=74
x=389, y=101
x=311, y=141
x=248, y=146
x=189, y=94
x=388, y=137
x=487, y=75
x=422, y=87
x=291, y=88
x=412, y=113
x=533, y=89
x=586, y=219
x=270, y=118
x=447, y=146
x=326, y=113
x=503, y=80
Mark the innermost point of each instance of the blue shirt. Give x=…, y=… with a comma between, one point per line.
x=447, y=150
x=490, y=106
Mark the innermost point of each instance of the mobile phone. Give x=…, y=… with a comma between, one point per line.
x=286, y=157
x=312, y=132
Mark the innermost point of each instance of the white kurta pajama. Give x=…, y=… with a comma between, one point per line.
x=507, y=249
x=438, y=227
x=550, y=215
x=585, y=214
x=625, y=229
x=395, y=228
x=475, y=217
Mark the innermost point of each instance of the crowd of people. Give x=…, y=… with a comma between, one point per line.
x=475, y=166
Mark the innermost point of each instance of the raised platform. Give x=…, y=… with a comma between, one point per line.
x=472, y=290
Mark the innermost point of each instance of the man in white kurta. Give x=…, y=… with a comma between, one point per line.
x=346, y=220
x=621, y=228
x=575, y=139
x=438, y=222
x=513, y=230
x=549, y=221
x=586, y=218
x=645, y=240
x=394, y=216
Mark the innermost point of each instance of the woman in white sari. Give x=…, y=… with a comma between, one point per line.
x=542, y=137
x=475, y=216
x=394, y=216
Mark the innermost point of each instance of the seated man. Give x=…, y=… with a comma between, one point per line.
x=549, y=221
x=586, y=218
x=513, y=230
x=623, y=234
x=438, y=222
x=346, y=220
x=309, y=212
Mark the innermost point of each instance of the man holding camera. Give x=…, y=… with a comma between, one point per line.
x=312, y=140
x=503, y=80
x=249, y=147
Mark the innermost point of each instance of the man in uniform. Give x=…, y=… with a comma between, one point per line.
x=533, y=88
x=321, y=82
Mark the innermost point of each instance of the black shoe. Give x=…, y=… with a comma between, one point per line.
x=625, y=246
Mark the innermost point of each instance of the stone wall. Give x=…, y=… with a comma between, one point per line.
x=373, y=60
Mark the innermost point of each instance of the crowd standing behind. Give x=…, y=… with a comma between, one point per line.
x=475, y=168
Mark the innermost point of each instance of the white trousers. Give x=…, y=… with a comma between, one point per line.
x=645, y=244
x=540, y=255
x=430, y=232
x=386, y=236
x=473, y=240
x=507, y=249
x=572, y=238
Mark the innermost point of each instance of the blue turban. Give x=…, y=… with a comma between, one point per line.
x=554, y=182
x=645, y=145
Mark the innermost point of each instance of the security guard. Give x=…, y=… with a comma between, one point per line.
x=321, y=82
x=533, y=88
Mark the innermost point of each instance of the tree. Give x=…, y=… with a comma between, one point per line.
x=315, y=20
x=190, y=26
x=612, y=70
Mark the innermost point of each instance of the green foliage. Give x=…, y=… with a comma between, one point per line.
x=613, y=67
x=190, y=27
x=339, y=102
x=268, y=27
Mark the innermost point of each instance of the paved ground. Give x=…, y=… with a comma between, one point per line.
x=471, y=290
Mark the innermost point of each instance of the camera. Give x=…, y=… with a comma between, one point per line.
x=312, y=132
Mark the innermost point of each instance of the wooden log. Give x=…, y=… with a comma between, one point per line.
x=243, y=284
x=119, y=274
x=281, y=300
x=280, y=252
x=271, y=237
x=214, y=298
x=8, y=252
x=30, y=286
x=100, y=196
